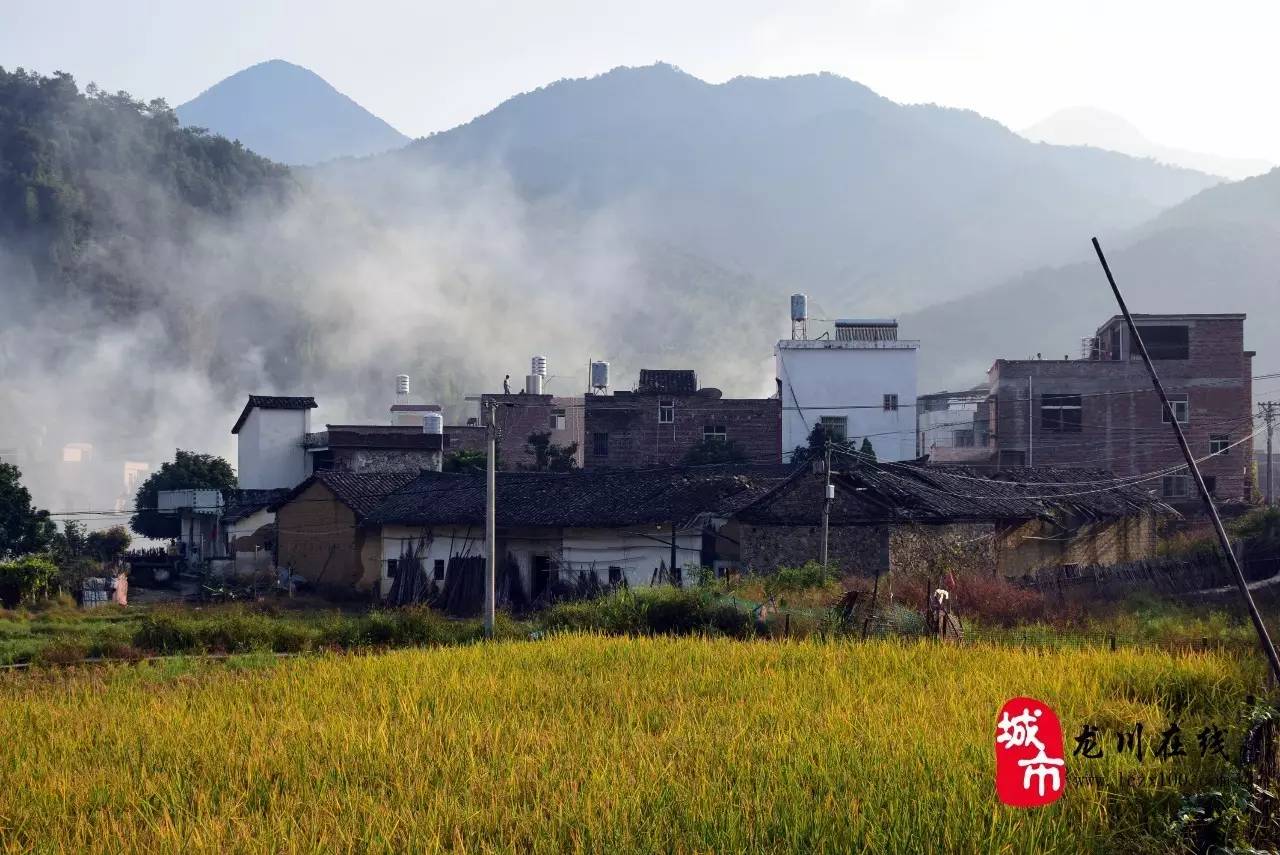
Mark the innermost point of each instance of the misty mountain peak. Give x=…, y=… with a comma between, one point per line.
x=290, y=114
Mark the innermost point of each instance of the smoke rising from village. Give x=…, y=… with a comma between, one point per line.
x=366, y=270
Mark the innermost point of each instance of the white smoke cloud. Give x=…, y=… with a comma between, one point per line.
x=369, y=270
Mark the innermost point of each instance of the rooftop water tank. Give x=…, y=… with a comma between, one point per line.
x=599, y=375
x=402, y=385
x=539, y=366
x=799, y=307
x=433, y=423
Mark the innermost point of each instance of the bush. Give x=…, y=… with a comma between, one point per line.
x=166, y=634
x=26, y=580
x=985, y=598
x=675, y=611
x=730, y=620
x=810, y=575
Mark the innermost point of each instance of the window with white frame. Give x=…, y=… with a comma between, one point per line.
x=1181, y=410
x=890, y=402
x=666, y=411
x=1219, y=443
x=557, y=419
x=716, y=433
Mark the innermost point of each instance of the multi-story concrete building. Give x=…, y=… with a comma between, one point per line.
x=859, y=383
x=951, y=426
x=667, y=415
x=1101, y=412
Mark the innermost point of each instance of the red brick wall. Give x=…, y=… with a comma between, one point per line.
x=517, y=416
x=636, y=438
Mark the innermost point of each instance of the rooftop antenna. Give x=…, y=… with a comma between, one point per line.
x=1135, y=339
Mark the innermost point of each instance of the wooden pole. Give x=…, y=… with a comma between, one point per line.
x=1224, y=542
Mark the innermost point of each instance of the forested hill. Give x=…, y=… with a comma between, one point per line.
x=89, y=180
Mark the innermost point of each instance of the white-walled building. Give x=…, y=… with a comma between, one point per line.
x=859, y=382
x=269, y=442
x=952, y=426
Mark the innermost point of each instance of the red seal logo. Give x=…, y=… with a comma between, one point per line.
x=1030, y=770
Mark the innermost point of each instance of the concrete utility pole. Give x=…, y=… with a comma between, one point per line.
x=490, y=521
x=1135, y=340
x=826, y=505
x=1267, y=412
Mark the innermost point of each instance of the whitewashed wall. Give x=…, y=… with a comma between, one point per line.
x=850, y=379
x=269, y=451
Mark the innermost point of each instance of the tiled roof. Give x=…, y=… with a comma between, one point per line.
x=359, y=491
x=273, y=402
x=406, y=437
x=242, y=503
x=582, y=499
x=870, y=493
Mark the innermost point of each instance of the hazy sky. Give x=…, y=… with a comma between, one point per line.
x=1191, y=74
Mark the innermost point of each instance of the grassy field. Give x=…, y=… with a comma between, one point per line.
x=583, y=743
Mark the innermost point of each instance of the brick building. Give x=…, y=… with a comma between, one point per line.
x=667, y=415
x=520, y=415
x=1101, y=412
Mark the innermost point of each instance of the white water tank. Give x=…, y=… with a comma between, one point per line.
x=799, y=308
x=600, y=375
x=533, y=384
x=540, y=366
x=402, y=385
x=433, y=423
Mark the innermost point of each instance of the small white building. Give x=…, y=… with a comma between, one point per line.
x=858, y=381
x=269, y=442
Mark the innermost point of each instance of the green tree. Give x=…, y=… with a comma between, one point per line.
x=815, y=447
x=549, y=457
x=26, y=579
x=711, y=451
x=867, y=451
x=23, y=528
x=109, y=544
x=187, y=471
x=465, y=461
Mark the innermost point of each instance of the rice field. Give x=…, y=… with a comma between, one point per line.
x=590, y=744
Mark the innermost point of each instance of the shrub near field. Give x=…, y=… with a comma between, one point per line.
x=584, y=743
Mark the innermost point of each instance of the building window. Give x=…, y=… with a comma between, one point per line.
x=557, y=420
x=1174, y=487
x=715, y=432
x=615, y=575
x=1060, y=413
x=835, y=427
x=890, y=402
x=600, y=444
x=437, y=570
x=1219, y=443
x=1181, y=409
x=666, y=412
x=963, y=438
x=393, y=567
x=1164, y=342
x=1211, y=484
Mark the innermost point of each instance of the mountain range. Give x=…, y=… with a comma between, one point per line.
x=813, y=182
x=1090, y=126
x=290, y=115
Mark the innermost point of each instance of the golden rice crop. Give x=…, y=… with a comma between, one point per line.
x=581, y=743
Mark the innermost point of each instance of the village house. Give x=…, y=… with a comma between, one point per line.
x=668, y=415
x=321, y=534
x=857, y=380
x=1027, y=519
x=638, y=527
x=1101, y=411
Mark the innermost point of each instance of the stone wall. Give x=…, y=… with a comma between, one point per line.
x=851, y=549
